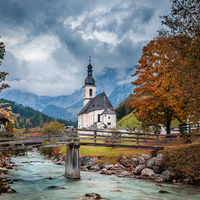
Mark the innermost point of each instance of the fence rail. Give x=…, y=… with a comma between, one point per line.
x=60, y=137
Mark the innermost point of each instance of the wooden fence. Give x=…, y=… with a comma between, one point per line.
x=106, y=138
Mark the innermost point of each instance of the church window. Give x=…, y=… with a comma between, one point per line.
x=98, y=117
x=90, y=92
x=108, y=117
x=109, y=123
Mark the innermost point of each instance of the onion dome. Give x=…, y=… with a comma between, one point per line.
x=89, y=80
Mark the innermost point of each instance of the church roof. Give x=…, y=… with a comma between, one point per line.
x=99, y=102
x=108, y=111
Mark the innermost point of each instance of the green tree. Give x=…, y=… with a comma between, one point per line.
x=2, y=74
x=54, y=126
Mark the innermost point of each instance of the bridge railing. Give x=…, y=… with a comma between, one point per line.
x=60, y=137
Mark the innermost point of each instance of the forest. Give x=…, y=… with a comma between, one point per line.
x=26, y=117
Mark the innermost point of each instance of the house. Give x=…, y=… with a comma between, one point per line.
x=97, y=111
x=3, y=121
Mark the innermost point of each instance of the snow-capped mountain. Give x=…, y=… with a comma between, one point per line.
x=113, y=82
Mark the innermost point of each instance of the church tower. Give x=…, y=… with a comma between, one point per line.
x=90, y=87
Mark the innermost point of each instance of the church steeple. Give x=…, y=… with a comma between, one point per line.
x=90, y=87
x=89, y=80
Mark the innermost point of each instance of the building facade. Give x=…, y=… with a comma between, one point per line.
x=97, y=111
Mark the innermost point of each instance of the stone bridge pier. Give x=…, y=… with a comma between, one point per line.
x=72, y=169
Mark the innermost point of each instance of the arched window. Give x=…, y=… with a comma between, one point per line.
x=90, y=92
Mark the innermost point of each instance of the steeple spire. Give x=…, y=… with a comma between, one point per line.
x=89, y=80
x=89, y=60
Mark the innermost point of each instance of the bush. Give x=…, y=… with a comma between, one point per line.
x=185, y=160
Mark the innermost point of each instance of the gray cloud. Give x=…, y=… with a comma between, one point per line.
x=17, y=69
x=44, y=37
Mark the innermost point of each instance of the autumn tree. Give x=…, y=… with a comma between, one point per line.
x=153, y=93
x=183, y=25
x=168, y=71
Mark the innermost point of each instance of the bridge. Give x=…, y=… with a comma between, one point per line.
x=74, y=138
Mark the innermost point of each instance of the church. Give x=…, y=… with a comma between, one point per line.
x=97, y=111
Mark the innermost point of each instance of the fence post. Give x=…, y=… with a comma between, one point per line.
x=157, y=140
x=72, y=135
x=137, y=140
x=23, y=138
x=95, y=136
x=48, y=137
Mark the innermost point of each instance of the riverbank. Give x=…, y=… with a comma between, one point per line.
x=33, y=171
x=5, y=165
x=175, y=164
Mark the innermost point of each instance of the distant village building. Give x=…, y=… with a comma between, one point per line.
x=3, y=121
x=97, y=111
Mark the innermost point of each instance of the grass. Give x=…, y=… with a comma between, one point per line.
x=108, y=154
x=129, y=121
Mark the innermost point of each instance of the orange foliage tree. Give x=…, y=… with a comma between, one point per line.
x=160, y=103
x=168, y=74
x=184, y=23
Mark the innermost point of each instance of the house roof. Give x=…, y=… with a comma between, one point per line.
x=99, y=102
x=4, y=118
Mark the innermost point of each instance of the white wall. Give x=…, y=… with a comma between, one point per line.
x=109, y=120
x=86, y=93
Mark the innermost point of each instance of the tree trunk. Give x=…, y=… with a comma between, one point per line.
x=168, y=126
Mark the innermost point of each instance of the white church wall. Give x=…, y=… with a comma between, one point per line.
x=109, y=120
x=87, y=95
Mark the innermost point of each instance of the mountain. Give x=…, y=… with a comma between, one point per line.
x=113, y=82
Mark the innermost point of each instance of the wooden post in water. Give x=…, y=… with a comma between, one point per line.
x=72, y=169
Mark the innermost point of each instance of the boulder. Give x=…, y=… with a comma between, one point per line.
x=135, y=162
x=109, y=172
x=55, y=188
x=125, y=163
x=59, y=162
x=167, y=175
x=94, y=195
x=188, y=180
x=125, y=174
x=138, y=169
x=147, y=172
x=95, y=168
x=159, y=179
x=156, y=169
x=153, y=176
x=141, y=160
x=109, y=166
x=119, y=166
x=85, y=160
x=103, y=171
x=145, y=156
x=3, y=170
x=150, y=162
x=159, y=159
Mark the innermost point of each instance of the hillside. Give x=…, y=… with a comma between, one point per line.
x=127, y=119
x=26, y=117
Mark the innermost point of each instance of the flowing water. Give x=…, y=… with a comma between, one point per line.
x=33, y=170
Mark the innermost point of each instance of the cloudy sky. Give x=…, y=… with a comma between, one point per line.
x=48, y=42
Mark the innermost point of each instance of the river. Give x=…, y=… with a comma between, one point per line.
x=34, y=168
